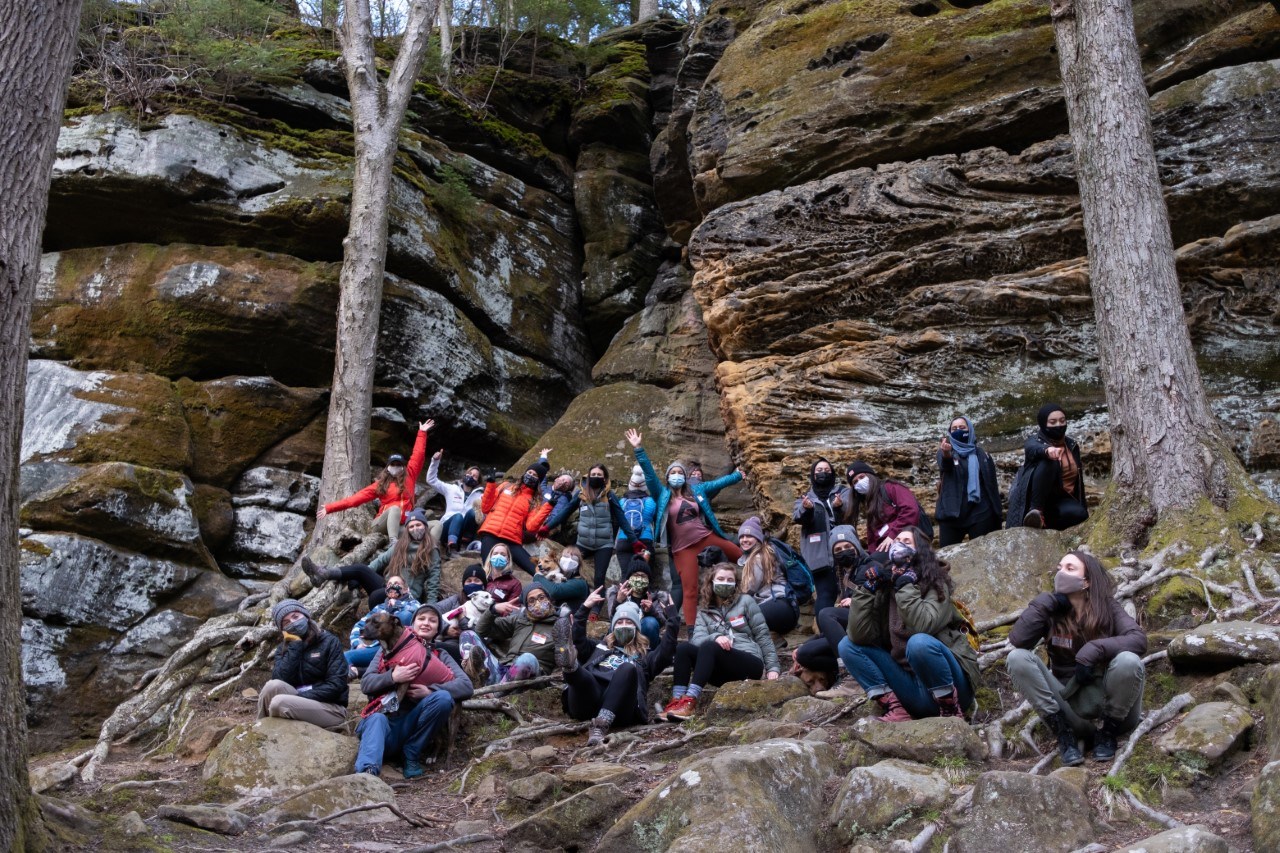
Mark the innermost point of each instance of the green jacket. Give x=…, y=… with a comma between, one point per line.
x=511, y=636
x=743, y=623
x=425, y=587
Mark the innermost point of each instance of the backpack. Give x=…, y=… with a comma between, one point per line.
x=796, y=571
x=633, y=510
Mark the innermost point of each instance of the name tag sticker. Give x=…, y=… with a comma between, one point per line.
x=738, y=621
x=1064, y=642
x=816, y=537
x=883, y=530
x=501, y=593
x=538, y=638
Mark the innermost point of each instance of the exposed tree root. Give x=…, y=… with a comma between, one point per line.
x=1156, y=718
x=460, y=841
x=495, y=705
x=528, y=684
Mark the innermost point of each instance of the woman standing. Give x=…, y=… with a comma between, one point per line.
x=640, y=511
x=890, y=506
x=601, y=521
x=764, y=578
x=1095, y=651
x=817, y=511
x=968, y=493
x=730, y=642
x=683, y=523
x=393, y=488
x=309, y=678
x=1049, y=489
x=906, y=645
x=513, y=509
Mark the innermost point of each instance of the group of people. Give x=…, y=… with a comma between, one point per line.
x=886, y=618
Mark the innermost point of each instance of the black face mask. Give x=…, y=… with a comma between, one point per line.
x=824, y=479
x=530, y=480
x=1057, y=433
x=847, y=558
x=595, y=483
x=470, y=482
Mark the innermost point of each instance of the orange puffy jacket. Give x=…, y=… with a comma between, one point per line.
x=394, y=495
x=506, y=511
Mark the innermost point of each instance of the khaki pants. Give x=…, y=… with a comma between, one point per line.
x=1116, y=693
x=280, y=699
x=389, y=522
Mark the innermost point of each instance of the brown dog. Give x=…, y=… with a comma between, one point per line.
x=386, y=630
x=549, y=567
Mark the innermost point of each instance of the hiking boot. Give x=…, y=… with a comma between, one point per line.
x=562, y=633
x=893, y=710
x=412, y=770
x=1034, y=519
x=474, y=666
x=595, y=734
x=318, y=574
x=842, y=690
x=682, y=708
x=1068, y=745
x=949, y=705
x=1104, y=742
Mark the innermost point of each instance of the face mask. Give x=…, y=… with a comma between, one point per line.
x=539, y=608
x=595, y=483
x=395, y=470
x=498, y=562
x=723, y=590
x=1056, y=432
x=901, y=552
x=1067, y=583
x=471, y=588
x=569, y=565
x=846, y=558
x=470, y=482
x=624, y=634
x=863, y=486
x=639, y=585
x=675, y=481
x=695, y=477
x=824, y=479
x=297, y=629
x=530, y=480
x=417, y=533
x=960, y=434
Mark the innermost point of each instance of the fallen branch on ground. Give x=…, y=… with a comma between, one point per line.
x=673, y=744
x=139, y=783
x=995, y=622
x=508, y=686
x=1044, y=762
x=540, y=731
x=451, y=843
x=1171, y=709
x=845, y=710
x=368, y=807
x=495, y=705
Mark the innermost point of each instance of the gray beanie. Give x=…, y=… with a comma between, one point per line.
x=843, y=533
x=284, y=608
x=678, y=464
x=752, y=527
x=626, y=610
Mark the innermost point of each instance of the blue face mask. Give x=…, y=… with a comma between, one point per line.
x=675, y=481
x=498, y=562
x=471, y=588
x=960, y=434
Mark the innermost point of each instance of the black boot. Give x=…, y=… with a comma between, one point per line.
x=1104, y=743
x=1068, y=747
x=319, y=574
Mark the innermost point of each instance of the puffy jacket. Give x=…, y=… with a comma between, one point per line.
x=640, y=511
x=394, y=495
x=507, y=514
x=816, y=523
x=598, y=521
x=901, y=512
x=953, y=490
x=604, y=661
x=702, y=493
x=1041, y=621
x=316, y=662
x=424, y=587
x=459, y=687
x=511, y=636
x=743, y=623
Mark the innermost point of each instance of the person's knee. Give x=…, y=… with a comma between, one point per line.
x=845, y=647
x=278, y=706
x=375, y=726
x=923, y=644
x=1021, y=661
x=1127, y=664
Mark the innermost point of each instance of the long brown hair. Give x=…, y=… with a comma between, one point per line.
x=638, y=647
x=707, y=597
x=400, y=563
x=765, y=559
x=933, y=574
x=1096, y=620
x=385, y=479
x=590, y=496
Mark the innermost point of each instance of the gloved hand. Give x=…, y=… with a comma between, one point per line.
x=1061, y=604
x=1084, y=674
x=491, y=477
x=901, y=579
x=870, y=576
x=673, y=614
x=543, y=532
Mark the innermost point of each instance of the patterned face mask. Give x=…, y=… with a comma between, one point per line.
x=624, y=634
x=539, y=608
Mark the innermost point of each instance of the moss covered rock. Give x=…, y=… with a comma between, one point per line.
x=274, y=756
x=1021, y=813
x=1266, y=808
x=1002, y=571
x=1226, y=644
x=873, y=798
x=570, y=823
x=330, y=796
x=742, y=699
x=921, y=740
x=1209, y=733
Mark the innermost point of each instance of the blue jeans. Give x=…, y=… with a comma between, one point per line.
x=362, y=657
x=406, y=732
x=460, y=525
x=934, y=670
x=651, y=628
x=525, y=666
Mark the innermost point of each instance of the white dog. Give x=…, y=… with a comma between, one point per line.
x=470, y=612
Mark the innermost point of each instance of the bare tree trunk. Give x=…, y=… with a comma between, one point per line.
x=1167, y=451
x=647, y=9
x=37, y=41
x=377, y=111
x=444, y=20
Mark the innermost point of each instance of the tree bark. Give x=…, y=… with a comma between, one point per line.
x=36, y=49
x=1167, y=450
x=377, y=111
x=647, y=9
x=444, y=21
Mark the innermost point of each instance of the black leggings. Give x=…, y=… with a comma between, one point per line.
x=953, y=532
x=1046, y=494
x=707, y=663
x=821, y=654
x=824, y=589
x=781, y=616
x=358, y=574
x=585, y=695
x=601, y=556
x=518, y=554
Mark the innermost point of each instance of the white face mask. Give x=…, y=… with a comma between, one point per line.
x=569, y=565
x=863, y=486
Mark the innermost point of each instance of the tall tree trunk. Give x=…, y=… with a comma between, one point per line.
x=647, y=9
x=1167, y=450
x=36, y=49
x=377, y=111
x=444, y=20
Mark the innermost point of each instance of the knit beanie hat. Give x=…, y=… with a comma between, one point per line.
x=856, y=467
x=637, y=565
x=475, y=570
x=542, y=466
x=1047, y=409
x=284, y=608
x=414, y=515
x=843, y=533
x=678, y=464
x=752, y=527
x=637, y=477
x=626, y=610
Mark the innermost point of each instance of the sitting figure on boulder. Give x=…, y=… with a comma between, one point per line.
x=309, y=679
x=817, y=661
x=764, y=578
x=907, y=646
x=608, y=682
x=393, y=488
x=501, y=582
x=514, y=647
x=561, y=579
x=414, y=555
x=730, y=642
x=1048, y=490
x=398, y=605
x=635, y=588
x=412, y=692
x=1095, y=650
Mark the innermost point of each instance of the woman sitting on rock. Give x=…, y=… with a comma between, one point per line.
x=512, y=510
x=906, y=645
x=730, y=642
x=1048, y=490
x=968, y=493
x=610, y=686
x=514, y=647
x=460, y=500
x=393, y=488
x=600, y=521
x=685, y=522
x=398, y=605
x=309, y=678
x=501, y=581
x=764, y=578
x=820, y=655
x=413, y=555
x=1095, y=650
x=635, y=588
x=890, y=507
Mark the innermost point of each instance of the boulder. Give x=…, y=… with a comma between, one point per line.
x=132, y=825
x=541, y=756
x=1226, y=644
x=272, y=756
x=1184, y=839
x=333, y=795
x=572, y=822
x=805, y=709
x=1002, y=571
x=1265, y=812
x=581, y=776
x=220, y=820
x=1021, y=813
x=144, y=646
x=754, y=731
x=873, y=798
x=527, y=794
x=921, y=740
x=276, y=488
x=765, y=797
x=1078, y=776
x=750, y=699
x=1269, y=700
x=51, y=777
x=1209, y=733
x=201, y=737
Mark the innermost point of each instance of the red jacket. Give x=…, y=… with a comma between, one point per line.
x=394, y=495
x=902, y=511
x=506, y=511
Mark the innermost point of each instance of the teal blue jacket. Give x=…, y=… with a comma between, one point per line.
x=702, y=493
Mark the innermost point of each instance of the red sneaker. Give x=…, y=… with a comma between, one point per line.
x=681, y=709
x=893, y=710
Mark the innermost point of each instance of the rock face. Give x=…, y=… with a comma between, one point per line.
x=1226, y=644
x=1002, y=571
x=1009, y=814
x=1266, y=808
x=767, y=796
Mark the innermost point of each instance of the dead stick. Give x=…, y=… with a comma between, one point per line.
x=1150, y=813
x=451, y=843
x=368, y=807
x=1171, y=709
x=508, y=686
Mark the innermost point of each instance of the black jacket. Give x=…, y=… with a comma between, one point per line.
x=953, y=490
x=1043, y=621
x=316, y=661
x=1034, y=450
x=600, y=660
